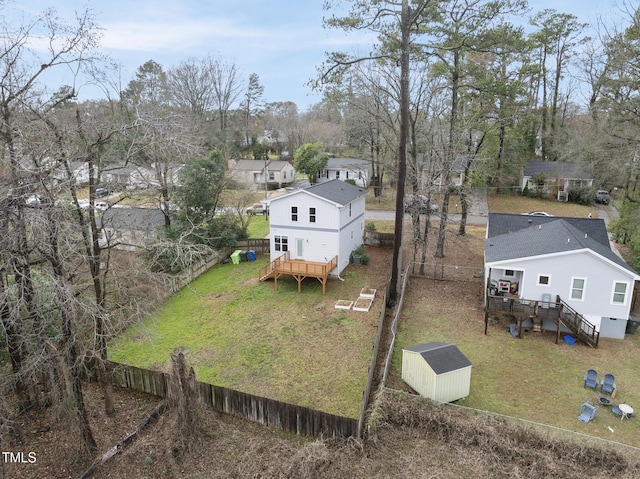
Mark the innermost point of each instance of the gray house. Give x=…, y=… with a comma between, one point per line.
x=543, y=258
x=438, y=371
x=558, y=177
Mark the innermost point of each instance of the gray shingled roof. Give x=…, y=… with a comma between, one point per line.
x=347, y=163
x=258, y=165
x=337, y=191
x=555, y=236
x=134, y=218
x=503, y=223
x=558, y=168
x=441, y=357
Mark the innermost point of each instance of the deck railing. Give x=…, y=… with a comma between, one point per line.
x=270, y=268
x=556, y=310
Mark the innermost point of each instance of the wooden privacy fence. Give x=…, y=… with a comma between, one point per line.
x=259, y=245
x=384, y=240
x=277, y=414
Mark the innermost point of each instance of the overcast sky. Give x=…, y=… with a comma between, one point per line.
x=280, y=40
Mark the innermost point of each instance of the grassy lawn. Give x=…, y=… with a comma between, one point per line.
x=242, y=334
x=531, y=378
x=522, y=204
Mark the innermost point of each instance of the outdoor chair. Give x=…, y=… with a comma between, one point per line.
x=587, y=412
x=608, y=384
x=616, y=410
x=591, y=379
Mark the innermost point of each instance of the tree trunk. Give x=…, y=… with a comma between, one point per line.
x=396, y=266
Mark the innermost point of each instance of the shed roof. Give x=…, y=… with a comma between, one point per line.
x=558, y=168
x=441, y=357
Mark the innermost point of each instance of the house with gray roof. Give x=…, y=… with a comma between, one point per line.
x=557, y=177
x=544, y=258
x=346, y=169
x=129, y=228
x=252, y=173
x=318, y=222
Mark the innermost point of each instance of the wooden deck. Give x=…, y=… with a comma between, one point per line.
x=541, y=312
x=299, y=269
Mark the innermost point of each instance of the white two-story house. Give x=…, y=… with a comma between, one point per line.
x=319, y=222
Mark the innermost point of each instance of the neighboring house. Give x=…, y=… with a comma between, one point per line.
x=129, y=228
x=252, y=173
x=433, y=174
x=79, y=171
x=346, y=169
x=140, y=177
x=537, y=257
x=438, y=371
x=318, y=223
x=559, y=177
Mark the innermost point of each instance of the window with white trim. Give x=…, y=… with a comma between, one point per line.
x=312, y=215
x=619, y=292
x=544, y=280
x=578, y=286
x=281, y=243
x=337, y=174
x=294, y=213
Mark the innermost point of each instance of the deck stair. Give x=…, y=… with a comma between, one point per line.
x=268, y=271
x=557, y=311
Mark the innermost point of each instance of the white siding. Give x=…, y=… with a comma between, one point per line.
x=446, y=387
x=561, y=268
x=336, y=230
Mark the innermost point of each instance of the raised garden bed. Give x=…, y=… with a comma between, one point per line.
x=343, y=304
x=368, y=293
x=363, y=304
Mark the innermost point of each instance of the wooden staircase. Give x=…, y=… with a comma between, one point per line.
x=579, y=326
x=266, y=272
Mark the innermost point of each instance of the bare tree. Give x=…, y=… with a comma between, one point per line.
x=70, y=46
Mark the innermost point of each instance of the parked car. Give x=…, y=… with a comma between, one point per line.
x=100, y=192
x=421, y=203
x=538, y=213
x=34, y=200
x=257, y=209
x=602, y=197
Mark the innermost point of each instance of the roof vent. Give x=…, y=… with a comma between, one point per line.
x=568, y=240
x=585, y=235
x=539, y=227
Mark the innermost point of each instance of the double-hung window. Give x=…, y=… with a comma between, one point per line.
x=294, y=213
x=578, y=285
x=619, y=293
x=312, y=215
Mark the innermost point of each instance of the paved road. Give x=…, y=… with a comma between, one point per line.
x=452, y=218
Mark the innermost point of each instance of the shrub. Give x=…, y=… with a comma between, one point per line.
x=370, y=226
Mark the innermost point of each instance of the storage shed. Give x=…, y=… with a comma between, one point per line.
x=437, y=371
